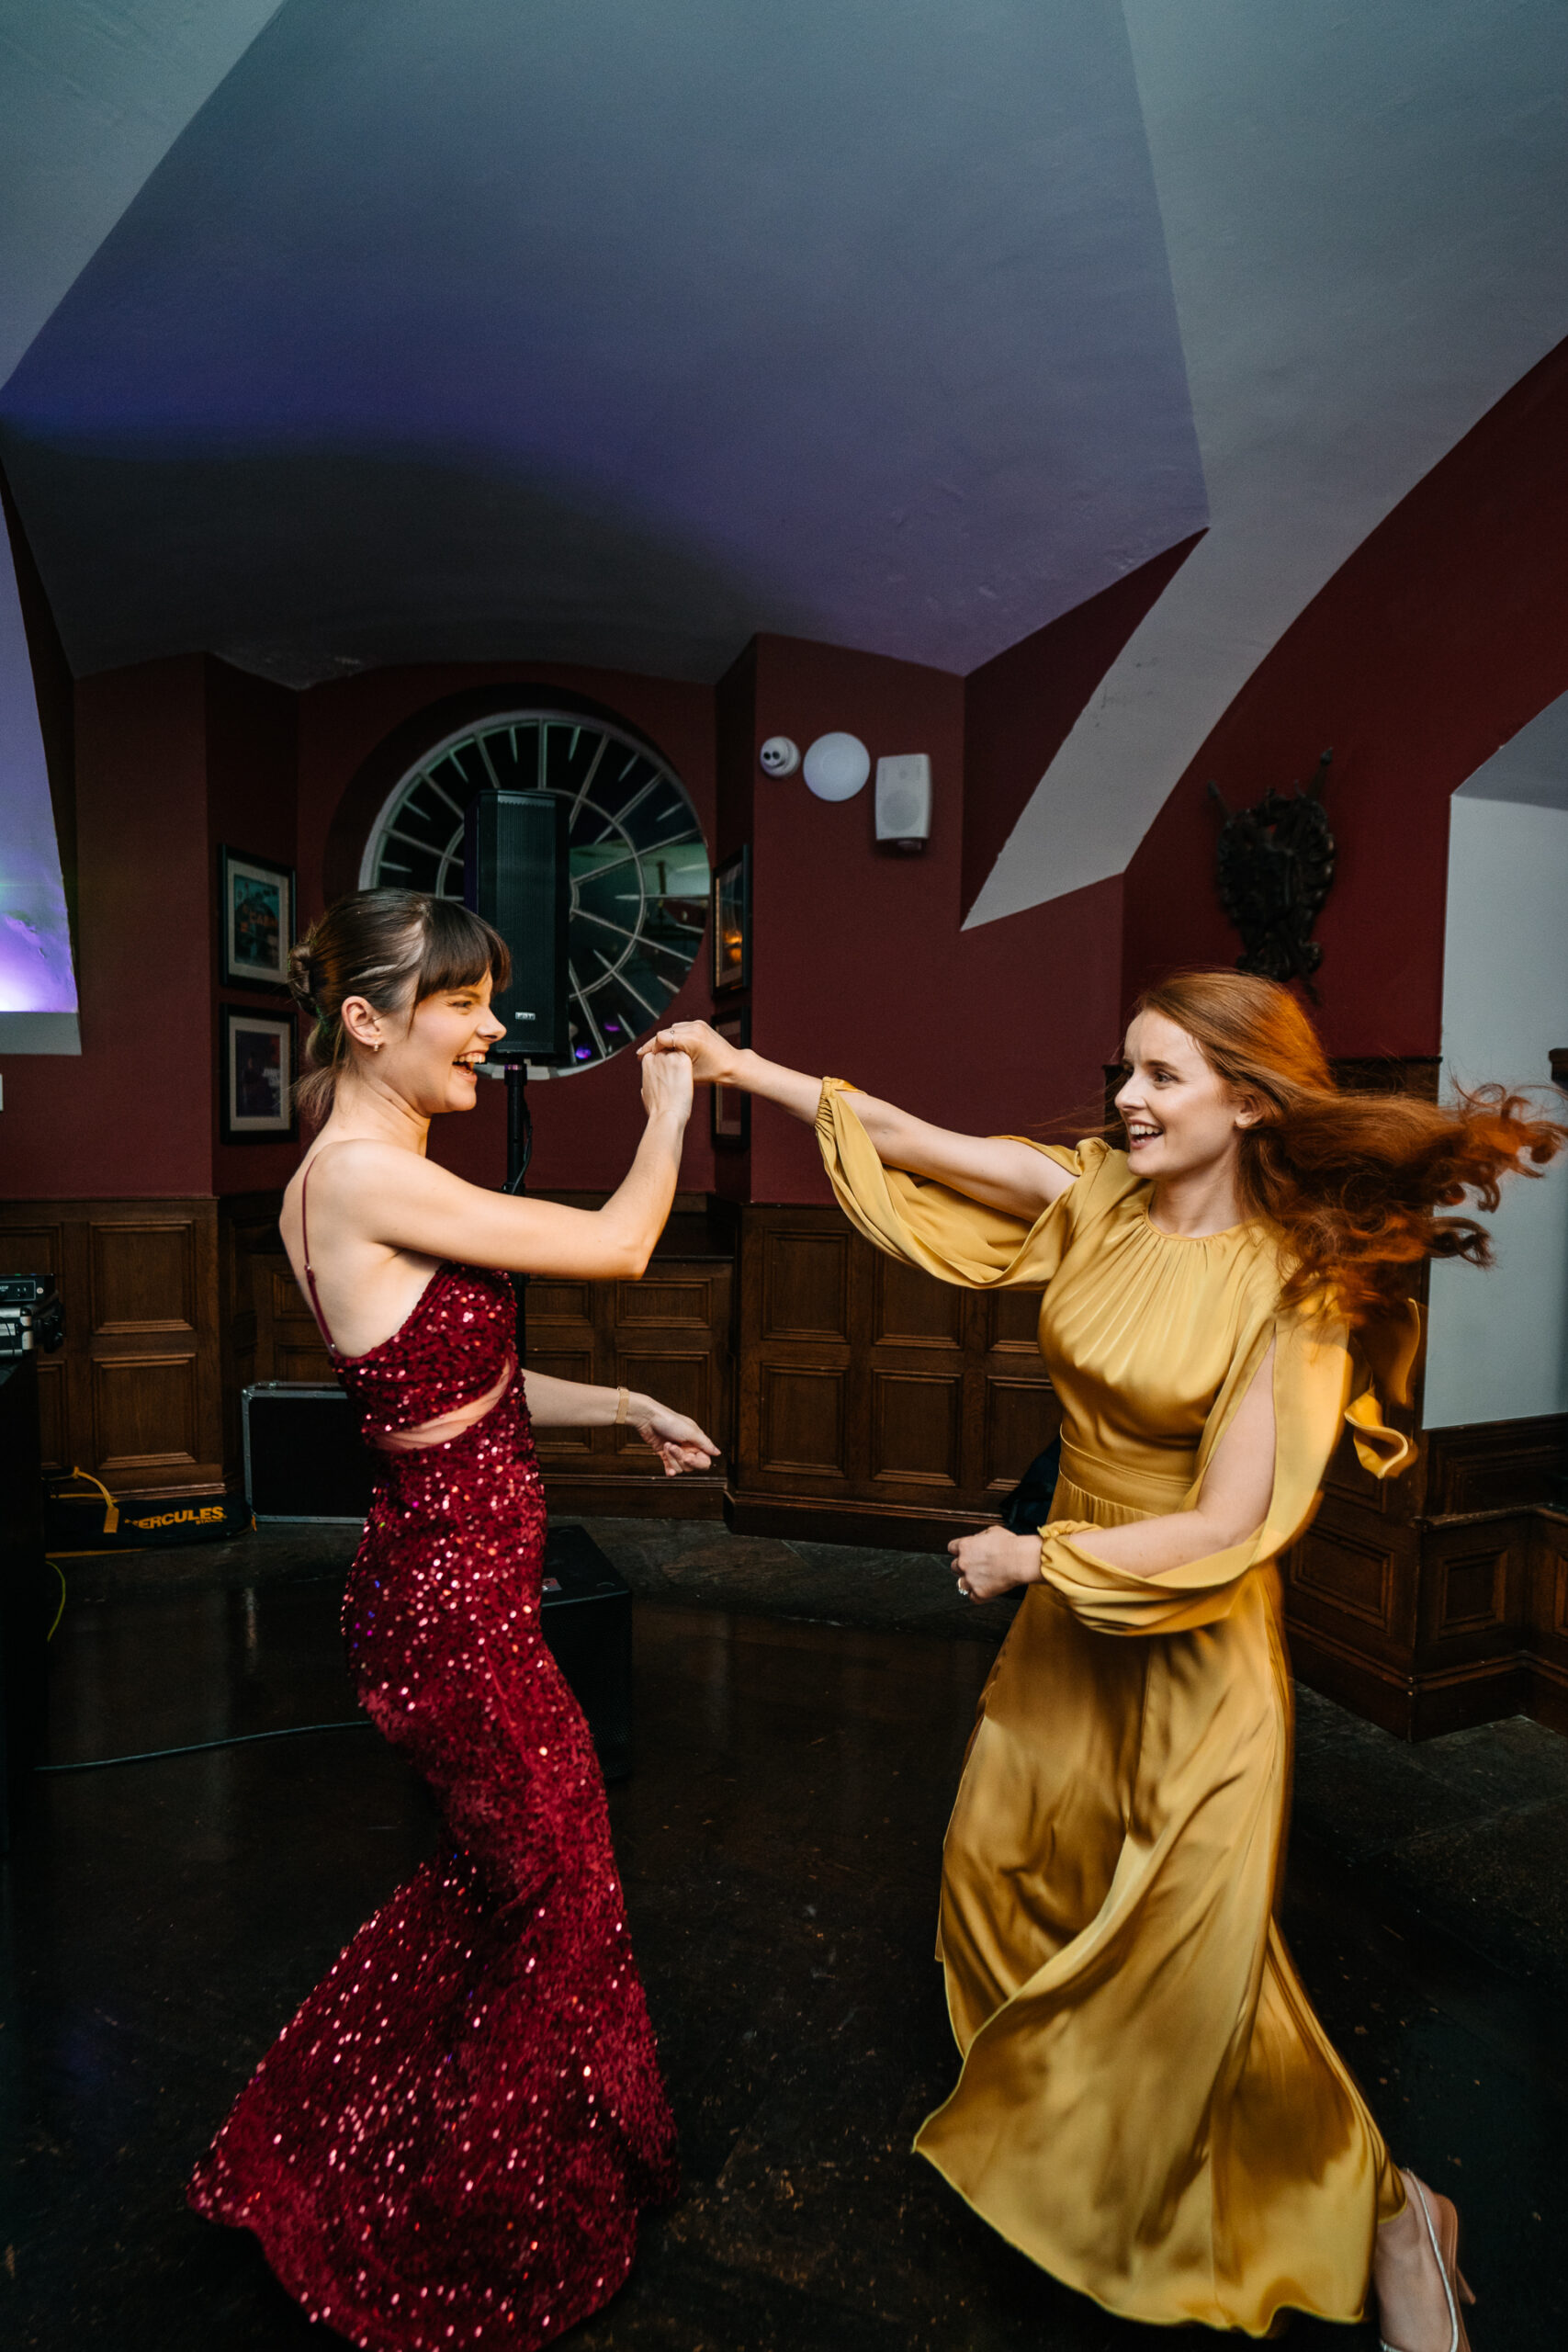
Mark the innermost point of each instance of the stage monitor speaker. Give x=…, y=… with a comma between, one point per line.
x=516, y=873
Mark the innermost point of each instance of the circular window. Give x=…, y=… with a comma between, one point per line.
x=640, y=869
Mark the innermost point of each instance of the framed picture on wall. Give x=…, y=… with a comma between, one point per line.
x=729, y=1111
x=255, y=920
x=256, y=1074
x=732, y=923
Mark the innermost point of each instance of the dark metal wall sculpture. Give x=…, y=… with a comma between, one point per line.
x=1275, y=866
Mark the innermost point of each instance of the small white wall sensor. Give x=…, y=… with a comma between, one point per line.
x=779, y=756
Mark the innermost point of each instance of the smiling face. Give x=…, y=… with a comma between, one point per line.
x=1183, y=1118
x=431, y=1060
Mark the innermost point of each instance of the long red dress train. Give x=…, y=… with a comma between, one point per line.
x=449, y=2143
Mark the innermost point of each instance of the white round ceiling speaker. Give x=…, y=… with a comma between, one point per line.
x=779, y=756
x=836, y=766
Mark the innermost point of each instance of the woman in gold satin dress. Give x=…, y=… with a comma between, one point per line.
x=1147, y=2106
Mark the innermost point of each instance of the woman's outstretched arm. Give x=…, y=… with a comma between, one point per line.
x=369, y=1193
x=998, y=1169
x=577, y=1405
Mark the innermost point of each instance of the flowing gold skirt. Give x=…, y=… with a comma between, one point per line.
x=1148, y=2108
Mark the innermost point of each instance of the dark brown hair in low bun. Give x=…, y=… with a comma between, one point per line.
x=394, y=948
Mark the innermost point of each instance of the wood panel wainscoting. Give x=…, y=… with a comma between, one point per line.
x=876, y=1405
x=172, y=1307
x=134, y=1396
x=855, y=1399
x=1439, y=1599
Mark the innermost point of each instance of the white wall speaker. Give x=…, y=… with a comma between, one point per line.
x=904, y=800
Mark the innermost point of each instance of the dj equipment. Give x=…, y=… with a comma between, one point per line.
x=32, y=1317
x=304, y=1457
x=904, y=800
x=305, y=1461
x=25, y=1290
x=516, y=873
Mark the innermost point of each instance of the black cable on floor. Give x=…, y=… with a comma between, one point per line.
x=197, y=1747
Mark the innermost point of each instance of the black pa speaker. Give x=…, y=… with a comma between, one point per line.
x=516, y=873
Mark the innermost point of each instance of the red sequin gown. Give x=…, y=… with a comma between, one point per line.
x=450, y=2143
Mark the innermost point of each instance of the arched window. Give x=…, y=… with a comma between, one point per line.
x=640, y=866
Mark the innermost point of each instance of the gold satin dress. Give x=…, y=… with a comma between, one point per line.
x=1147, y=2108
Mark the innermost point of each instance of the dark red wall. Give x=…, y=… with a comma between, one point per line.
x=250, y=806
x=1445, y=633
x=132, y=1113
x=860, y=966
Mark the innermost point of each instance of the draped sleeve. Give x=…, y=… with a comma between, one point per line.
x=957, y=1240
x=1326, y=1379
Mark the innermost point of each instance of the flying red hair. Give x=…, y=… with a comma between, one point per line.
x=1352, y=1182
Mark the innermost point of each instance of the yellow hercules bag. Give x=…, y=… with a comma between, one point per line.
x=96, y=1520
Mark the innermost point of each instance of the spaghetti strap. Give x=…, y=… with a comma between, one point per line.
x=309, y=1271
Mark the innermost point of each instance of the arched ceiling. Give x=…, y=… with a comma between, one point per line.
x=1366, y=212
x=355, y=331
x=95, y=96
x=609, y=332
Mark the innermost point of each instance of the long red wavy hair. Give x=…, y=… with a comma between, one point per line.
x=1352, y=1182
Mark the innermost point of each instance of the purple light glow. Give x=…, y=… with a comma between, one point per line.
x=35, y=975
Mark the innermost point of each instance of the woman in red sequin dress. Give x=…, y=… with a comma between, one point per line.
x=450, y=2144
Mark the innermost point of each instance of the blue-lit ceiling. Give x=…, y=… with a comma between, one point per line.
x=596, y=331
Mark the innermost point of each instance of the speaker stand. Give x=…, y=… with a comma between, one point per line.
x=519, y=1151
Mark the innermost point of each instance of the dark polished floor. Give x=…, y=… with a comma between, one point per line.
x=779, y=1840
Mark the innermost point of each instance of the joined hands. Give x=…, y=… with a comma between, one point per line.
x=711, y=1057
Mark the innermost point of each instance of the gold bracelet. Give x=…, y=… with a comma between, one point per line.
x=623, y=1407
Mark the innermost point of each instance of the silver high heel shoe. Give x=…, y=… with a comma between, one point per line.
x=1442, y=2233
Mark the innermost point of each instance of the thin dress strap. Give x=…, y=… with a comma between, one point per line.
x=310, y=1272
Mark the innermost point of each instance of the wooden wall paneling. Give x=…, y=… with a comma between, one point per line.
x=568, y=1338
x=915, y=1427
x=1548, y=1614
x=54, y=1415
x=1496, y=1465
x=288, y=1343
x=143, y=1276
x=806, y=1280
x=247, y=1229
x=31, y=1243
x=910, y=1310
x=669, y=1336
x=803, y=1421
x=146, y=1412
x=876, y=1401
x=135, y=1395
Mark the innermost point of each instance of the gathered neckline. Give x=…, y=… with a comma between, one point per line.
x=1225, y=1233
